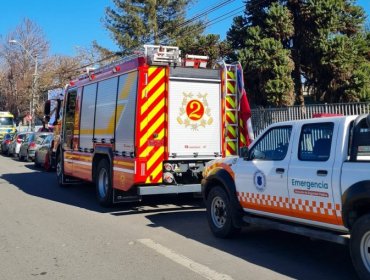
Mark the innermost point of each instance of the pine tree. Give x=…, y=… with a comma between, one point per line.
x=134, y=23
x=331, y=48
x=268, y=64
x=328, y=47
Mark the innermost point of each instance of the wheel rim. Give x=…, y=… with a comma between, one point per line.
x=218, y=212
x=59, y=169
x=365, y=250
x=103, y=182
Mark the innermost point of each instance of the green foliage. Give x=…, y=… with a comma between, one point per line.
x=134, y=23
x=264, y=57
x=323, y=41
x=209, y=45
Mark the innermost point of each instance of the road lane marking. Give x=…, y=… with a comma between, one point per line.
x=198, y=268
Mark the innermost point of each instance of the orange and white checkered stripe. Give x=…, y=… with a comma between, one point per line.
x=152, y=118
x=298, y=208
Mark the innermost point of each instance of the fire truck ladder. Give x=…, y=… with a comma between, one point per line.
x=231, y=105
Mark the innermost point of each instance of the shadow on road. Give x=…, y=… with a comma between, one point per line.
x=44, y=185
x=288, y=254
x=291, y=255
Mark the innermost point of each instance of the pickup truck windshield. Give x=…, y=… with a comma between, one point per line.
x=6, y=121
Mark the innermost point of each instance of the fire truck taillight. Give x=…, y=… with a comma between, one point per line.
x=168, y=166
x=168, y=178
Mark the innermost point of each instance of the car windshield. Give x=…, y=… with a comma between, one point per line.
x=6, y=121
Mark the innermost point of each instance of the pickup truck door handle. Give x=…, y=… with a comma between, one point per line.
x=280, y=170
x=322, y=172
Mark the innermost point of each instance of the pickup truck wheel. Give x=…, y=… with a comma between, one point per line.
x=360, y=246
x=104, y=190
x=219, y=213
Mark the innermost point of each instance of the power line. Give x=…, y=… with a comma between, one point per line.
x=207, y=24
x=197, y=16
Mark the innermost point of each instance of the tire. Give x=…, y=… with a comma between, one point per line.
x=103, y=184
x=59, y=172
x=37, y=164
x=360, y=246
x=219, y=213
x=27, y=157
x=47, y=165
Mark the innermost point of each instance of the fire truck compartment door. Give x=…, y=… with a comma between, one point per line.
x=194, y=120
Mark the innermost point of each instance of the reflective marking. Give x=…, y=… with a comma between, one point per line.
x=198, y=268
x=123, y=170
x=78, y=162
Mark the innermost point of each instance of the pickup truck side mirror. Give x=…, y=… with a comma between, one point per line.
x=244, y=152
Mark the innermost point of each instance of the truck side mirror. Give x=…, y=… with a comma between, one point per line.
x=244, y=152
x=47, y=108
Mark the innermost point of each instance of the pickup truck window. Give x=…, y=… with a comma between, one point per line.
x=273, y=145
x=362, y=141
x=315, y=142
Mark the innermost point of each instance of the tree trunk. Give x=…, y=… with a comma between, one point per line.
x=294, y=7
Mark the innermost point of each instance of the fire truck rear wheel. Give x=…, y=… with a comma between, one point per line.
x=59, y=171
x=219, y=214
x=360, y=246
x=103, y=183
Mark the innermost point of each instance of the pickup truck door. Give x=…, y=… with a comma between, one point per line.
x=261, y=179
x=310, y=173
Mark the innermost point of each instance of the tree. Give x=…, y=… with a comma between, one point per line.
x=207, y=45
x=268, y=64
x=326, y=43
x=134, y=23
x=18, y=63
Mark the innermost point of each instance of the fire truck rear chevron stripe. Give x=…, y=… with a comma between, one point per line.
x=154, y=94
x=152, y=128
x=154, y=80
x=243, y=140
x=151, y=132
x=152, y=113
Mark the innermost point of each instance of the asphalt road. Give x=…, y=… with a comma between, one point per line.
x=47, y=232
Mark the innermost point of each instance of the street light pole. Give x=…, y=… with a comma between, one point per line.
x=34, y=83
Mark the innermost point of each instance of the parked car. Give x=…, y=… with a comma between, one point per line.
x=15, y=145
x=43, y=153
x=5, y=143
x=30, y=145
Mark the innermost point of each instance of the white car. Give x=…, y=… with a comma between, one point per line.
x=15, y=146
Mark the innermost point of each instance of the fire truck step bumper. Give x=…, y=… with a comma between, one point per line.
x=169, y=189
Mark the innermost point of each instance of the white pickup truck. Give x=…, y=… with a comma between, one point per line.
x=310, y=177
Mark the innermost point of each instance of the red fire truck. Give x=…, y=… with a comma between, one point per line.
x=148, y=124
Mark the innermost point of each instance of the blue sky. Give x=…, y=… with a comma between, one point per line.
x=70, y=23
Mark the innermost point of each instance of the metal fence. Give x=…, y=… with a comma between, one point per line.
x=262, y=117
